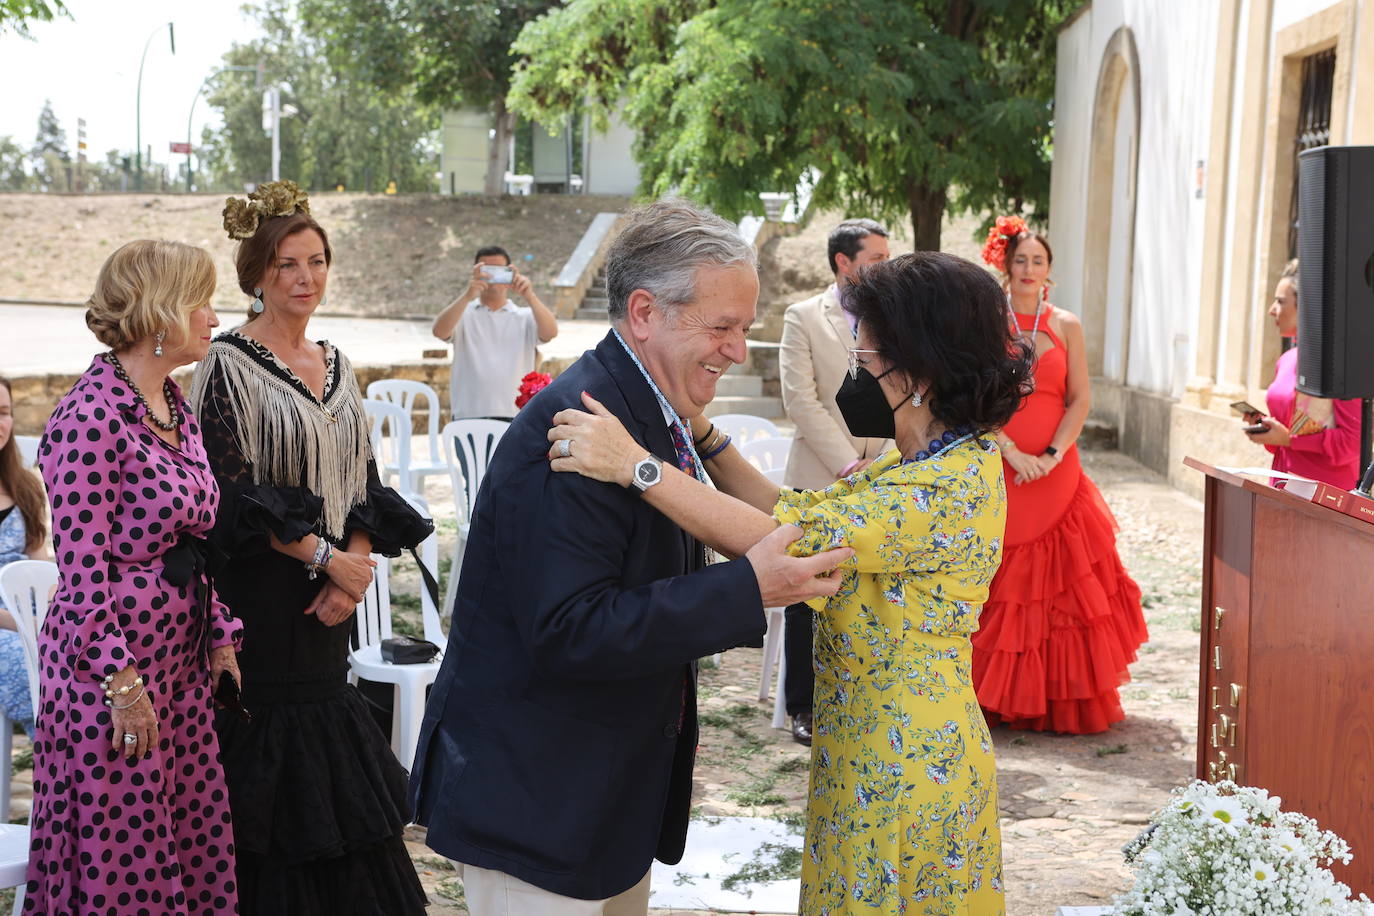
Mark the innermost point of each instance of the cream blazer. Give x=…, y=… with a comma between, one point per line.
x=813, y=358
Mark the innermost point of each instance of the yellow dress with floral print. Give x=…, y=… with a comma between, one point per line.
x=902, y=811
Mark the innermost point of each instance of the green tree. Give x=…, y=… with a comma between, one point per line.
x=344, y=130
x=49, y=157
x=906, y=109
x=449, y=54
x=17, y=14
x=13, y=176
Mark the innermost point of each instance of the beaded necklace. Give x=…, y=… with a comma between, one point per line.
x=1016, y=323
x=947, y=441
x=166, y=426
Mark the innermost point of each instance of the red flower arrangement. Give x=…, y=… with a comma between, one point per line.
x=530, y=385
x=995, y=248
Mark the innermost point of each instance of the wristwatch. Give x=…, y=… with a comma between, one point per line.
x=1051, y=451
x=647, y=472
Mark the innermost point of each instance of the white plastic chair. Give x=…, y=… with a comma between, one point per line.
x=372, y=625
x=28, y=449
x=389, y=431
x=14, y=861
x=429, y=556
x=773, y=655
x=406, y=395
x=468, y=447
x=768, y=455
x=24, y=588
x=742, y=427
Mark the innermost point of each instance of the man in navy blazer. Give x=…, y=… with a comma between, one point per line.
x=555, y=760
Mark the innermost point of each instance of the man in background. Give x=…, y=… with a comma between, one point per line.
x=494, y=340
x=813, y=358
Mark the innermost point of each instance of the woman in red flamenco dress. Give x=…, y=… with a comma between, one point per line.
x=1063, y=620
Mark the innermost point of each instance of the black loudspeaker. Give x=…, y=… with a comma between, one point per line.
x=1336, y=272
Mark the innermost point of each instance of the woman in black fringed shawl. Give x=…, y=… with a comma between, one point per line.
x=318, y=798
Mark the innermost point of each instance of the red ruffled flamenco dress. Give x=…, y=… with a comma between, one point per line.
x=1063, y=619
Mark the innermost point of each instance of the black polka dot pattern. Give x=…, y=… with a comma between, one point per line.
x=112, y=836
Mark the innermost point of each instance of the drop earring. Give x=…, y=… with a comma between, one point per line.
x=157, y=350
x=256, y=305
x=916, y=399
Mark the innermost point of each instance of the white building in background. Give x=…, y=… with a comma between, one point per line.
x=1172, y=198
x=608, y=160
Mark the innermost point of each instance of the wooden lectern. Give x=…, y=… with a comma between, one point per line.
x=1287, y=671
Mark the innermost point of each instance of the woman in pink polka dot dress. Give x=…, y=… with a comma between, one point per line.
x=130, y=813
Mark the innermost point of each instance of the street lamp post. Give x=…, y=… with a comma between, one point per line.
x=196, y=98
x=138, y=104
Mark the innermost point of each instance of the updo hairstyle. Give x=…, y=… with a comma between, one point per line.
x=148, y=286
x=257, y=254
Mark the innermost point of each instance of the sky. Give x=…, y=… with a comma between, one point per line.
x=88, y=66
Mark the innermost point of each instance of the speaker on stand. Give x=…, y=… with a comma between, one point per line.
x=1336, y=282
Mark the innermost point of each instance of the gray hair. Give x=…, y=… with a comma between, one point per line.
x=661, y=249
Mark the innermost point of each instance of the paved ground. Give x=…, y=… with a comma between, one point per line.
x=41, y=339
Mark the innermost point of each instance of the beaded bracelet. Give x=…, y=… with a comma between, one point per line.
x=717, y=450
x=324, y=552
x=129, y=705
x=111, y=692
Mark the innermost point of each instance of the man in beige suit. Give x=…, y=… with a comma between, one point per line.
x=814, y=356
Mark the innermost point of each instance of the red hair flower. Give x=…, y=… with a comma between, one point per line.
x=530, y=385
x=995, y=248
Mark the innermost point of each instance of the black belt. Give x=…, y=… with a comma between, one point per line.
x=193, y=562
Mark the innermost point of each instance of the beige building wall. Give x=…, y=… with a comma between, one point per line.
x=1185, y=362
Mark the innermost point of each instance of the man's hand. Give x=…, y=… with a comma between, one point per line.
x=520, y=283
x=477, y=284
x=785, y=579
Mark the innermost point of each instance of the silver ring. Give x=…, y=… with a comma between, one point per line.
x=565, y=448
x=130, y=739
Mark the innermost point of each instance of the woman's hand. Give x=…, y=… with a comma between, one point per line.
x=351, y=573
x=139, y=719
x=332, y=605
x=1047, y=463
x=223, y=659
x=598, y=445
x=1027, y=467
x=1276, y=434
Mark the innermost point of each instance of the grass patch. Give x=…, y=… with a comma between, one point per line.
x=434, y=863
x=23, y=760
x=771, y=862
x=759, y=794
x=452, y=889
x=1020, y=741
x=1108, y=750
x=1180, y=693
x=792, y=765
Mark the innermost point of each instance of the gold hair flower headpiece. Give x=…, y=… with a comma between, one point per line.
x=275, y=198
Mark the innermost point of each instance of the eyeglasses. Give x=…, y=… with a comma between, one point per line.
x=854, y=360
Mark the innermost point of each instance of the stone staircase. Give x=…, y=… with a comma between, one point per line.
x=595, y=304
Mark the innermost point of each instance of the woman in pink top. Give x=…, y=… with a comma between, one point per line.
x=1314, y=437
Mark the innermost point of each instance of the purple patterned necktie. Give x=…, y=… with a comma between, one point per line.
x=685, y=463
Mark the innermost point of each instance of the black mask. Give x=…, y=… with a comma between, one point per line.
x=864, y=406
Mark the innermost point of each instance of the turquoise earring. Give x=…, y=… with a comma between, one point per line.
x=256, y=305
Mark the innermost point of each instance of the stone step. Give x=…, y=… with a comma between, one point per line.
x=766, y=407
x=592, y=314
x=1098, y=436
x=596, y=291
x=745, y=386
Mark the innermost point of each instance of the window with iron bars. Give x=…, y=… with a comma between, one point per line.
x=1314, y=124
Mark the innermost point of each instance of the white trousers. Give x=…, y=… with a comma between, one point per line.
x=495, y=893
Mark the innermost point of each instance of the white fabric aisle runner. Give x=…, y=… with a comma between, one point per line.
x=727, y=864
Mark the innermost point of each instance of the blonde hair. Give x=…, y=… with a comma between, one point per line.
x=1290, y=273
x=148, y=286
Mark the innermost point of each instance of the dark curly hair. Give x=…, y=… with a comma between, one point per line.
x=941, y=319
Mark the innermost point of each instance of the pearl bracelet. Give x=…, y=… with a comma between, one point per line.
x=111, y=692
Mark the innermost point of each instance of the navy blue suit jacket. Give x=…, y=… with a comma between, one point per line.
x=559, y=738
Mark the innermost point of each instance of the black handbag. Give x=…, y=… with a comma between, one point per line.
x=406, y=650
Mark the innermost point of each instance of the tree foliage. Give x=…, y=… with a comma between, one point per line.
x=344, y=131
x=17, y=14
x=905, y=108
x=448, y=54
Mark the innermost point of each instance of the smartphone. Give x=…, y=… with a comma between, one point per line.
x=1245, y=408
x=1257, y=428
x=495, y=273
x=227, y=695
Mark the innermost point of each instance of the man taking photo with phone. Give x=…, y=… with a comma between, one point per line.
x=493, y=339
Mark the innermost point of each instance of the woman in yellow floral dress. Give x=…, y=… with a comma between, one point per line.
x=902, y=811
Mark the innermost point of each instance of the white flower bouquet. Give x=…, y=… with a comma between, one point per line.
x=1227, y=850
